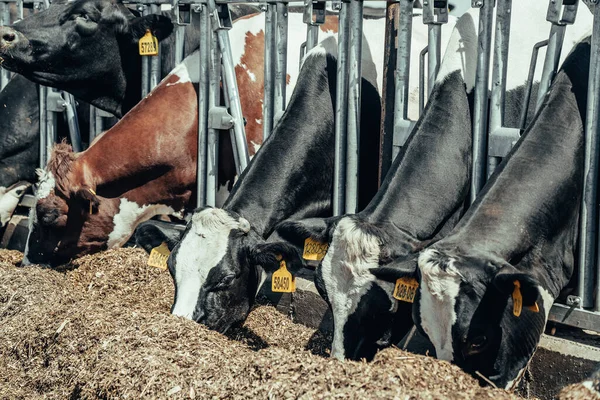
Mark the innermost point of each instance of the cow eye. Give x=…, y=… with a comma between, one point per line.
x=225, y=282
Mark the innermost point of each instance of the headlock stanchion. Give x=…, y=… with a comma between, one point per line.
x=314, y=15
x=435, y=13
x=486, y=13
x=560, y=13
x=270, y=10
x=202, y=187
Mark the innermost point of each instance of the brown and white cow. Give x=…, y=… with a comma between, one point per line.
x=144, y=166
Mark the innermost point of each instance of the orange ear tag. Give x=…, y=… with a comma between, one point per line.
x=406, y=289
x=282, y=280
x=517, y=299
x=148, y=44
x=313, y=250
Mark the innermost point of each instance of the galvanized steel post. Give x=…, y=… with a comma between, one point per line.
x=354, y=95
x=270, y=10
x=486, y=13
x=72, y=121
x=43, y=101
x=238, y=133
x=560, y=15
x=143, y=9
x=588, y=228
x=154, y=61
x=435, y=13
x=314, y=15
x=341, y=113
x=214, y=98
x=402, y=125
x=203, y=104
x=281, y=61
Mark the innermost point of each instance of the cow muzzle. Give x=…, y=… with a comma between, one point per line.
x=8, y=37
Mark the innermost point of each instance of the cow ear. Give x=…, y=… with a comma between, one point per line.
x=505, y=281
x=403, y=267
x=159, y=25
x=268, y=256
x=88, y=199
x=149, y=235
x=296, y=232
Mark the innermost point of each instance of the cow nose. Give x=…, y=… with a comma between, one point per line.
x=8, y=36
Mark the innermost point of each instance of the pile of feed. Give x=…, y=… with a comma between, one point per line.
x=102, y=329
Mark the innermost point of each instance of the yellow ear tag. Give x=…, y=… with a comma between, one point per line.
x=283, y=281
x=517, y=299
x=314, y=250
x=534, y=307
x=406, y=289
x=158, y=256
x=148, y=44
x=94, y=193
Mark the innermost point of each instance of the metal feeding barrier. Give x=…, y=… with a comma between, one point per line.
x=491, y=139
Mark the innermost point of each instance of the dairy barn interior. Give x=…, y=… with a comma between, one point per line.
x=318, y=199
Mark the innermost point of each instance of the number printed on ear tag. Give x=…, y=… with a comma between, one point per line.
x=148, y=44
x=283, y=281
x=158, y=256
x=313, y=250
x=406, y=289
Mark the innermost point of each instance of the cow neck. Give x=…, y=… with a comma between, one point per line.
x=428, y=181
x=291, y=175
x=527, y=213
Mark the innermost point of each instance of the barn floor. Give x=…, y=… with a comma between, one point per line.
x=103, y=330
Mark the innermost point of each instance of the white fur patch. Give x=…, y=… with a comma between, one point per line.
x=8, y=202
x=200, y=250
x=345, y=271
x=46, y=184
x=131, y=215
x=439, y=291
x=188, y=70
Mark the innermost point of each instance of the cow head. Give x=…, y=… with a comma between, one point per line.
x=66, y=221
x=218, y=267
x=79, y=46
x=465, y=306
x=366, y=316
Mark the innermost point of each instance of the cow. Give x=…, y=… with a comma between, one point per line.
x=486, y=289
x=424, y=194
x=224, y=255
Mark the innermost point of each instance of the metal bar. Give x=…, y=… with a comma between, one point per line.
x=589, y=211
x=99, y=124
x=72, y=121
x=422, y=56
x=579, y=318
x=341, y=114
x=214, y=98
x=312, y=36
x=179, y=43
x=143, y=9
x=481, y=97
x=529, y=87
x=43, y=101
x=354, y=96
x=269, y=70
x=555, y=42
x=402, y=126
x=203, y=104
x=500, y=67
x=434, y=55
x=281, y=61
x=154, y=61
x=92, y=125
x=232, y=92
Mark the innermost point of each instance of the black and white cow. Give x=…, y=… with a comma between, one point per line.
x=223, y=255
x=421, y=199
x=487, y=288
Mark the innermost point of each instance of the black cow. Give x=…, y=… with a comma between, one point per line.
x=422, y=198
x=487, y=288
x=223, y=256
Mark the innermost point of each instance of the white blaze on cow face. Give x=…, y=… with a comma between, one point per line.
x=130, y=215
x=439, y=290
x=45, y=186
x=9, y=199
x=346, y=276
x=201, y=249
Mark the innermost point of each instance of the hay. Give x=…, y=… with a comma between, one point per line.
x=101, y=328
